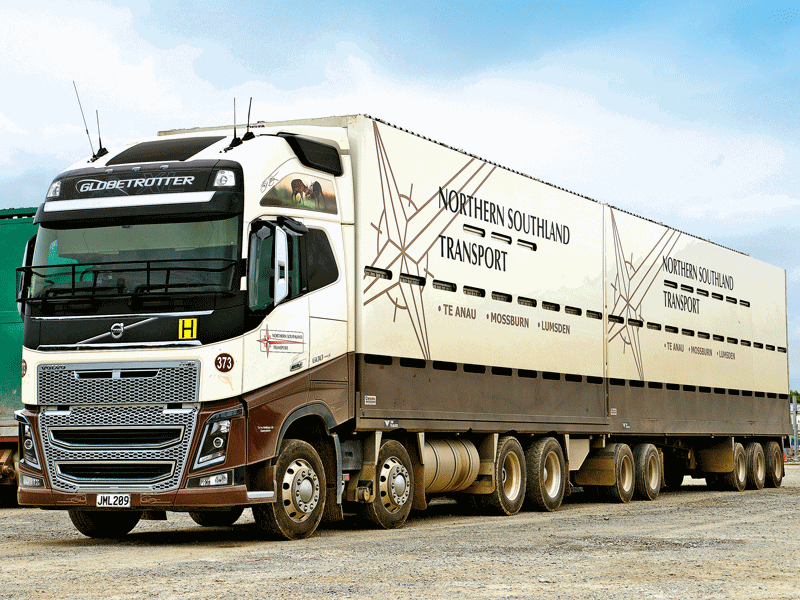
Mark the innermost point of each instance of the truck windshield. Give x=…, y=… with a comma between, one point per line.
x=135, y=260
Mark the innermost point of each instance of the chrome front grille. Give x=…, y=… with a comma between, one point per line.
x=141, y=448
x=118, y=383
x=114, y=437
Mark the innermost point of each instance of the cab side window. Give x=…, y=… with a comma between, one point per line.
x=321, y=263
x=295, y=272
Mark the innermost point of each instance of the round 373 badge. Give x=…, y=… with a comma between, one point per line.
x=223, y=363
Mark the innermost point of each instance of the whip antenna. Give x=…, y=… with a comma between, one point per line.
x=100, y=151
x=249, y=135
x=84, y=119
x=235, y=141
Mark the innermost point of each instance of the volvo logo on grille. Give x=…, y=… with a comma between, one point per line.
x=117, y=329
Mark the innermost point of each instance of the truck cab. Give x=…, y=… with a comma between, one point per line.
x=169, y=282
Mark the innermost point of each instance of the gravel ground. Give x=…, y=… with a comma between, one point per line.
x=692, y=543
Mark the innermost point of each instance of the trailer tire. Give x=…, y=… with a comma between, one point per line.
x=217, y=518
x=300, y=494
x=648, y=471
x=624, y=474
x=395, y=487
x=547, y=479
x=111, y=524
x=756, y=466
x=510, y=475
x=736, y=480
x=773, y=459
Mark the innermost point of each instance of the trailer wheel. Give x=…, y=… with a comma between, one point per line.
x=546, y=474
x=395, y=482
x=510, y=476
x=300, y=500
x=756, y=466
x=104, y=523
x=625, y=475
x=736, y=480
x=217, y=518
x=648, y=471
x=773, y=459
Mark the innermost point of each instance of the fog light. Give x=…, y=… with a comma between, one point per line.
x=31, y=482
x=212, y=480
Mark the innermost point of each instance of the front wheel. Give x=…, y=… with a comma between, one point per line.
x=300, y=501
x=104, y=523
x=395, y=482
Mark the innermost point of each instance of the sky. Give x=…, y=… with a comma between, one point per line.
x=686, y=113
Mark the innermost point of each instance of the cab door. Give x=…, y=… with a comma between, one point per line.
x=279, y=347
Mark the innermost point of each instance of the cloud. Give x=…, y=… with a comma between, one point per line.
x=577, y=118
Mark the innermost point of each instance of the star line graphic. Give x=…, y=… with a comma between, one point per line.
x=269, y=341
x=406, y=234
x=631, y=285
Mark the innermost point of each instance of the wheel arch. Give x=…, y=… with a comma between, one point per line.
x=313, y=423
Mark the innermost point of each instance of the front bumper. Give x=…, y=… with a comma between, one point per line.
x=71, y=476
x=187, y=499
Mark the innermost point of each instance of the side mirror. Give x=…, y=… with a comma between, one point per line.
x=281, y=254
x=24, y=276
x=267, y=273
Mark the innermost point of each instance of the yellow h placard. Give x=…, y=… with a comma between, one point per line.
x=187, y=329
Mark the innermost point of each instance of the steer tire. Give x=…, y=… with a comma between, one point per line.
x=217, y=518
x=300, y=500
x=111, y=524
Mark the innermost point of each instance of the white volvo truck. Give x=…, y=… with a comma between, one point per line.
x=336, y=314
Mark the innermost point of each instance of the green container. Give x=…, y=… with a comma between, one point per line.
x=16, y=228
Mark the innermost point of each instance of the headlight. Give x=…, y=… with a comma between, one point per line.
x=28, y=446
x=55, y=189
x=214, y=443
x=224, y=178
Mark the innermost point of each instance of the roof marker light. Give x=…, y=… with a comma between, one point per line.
x=55, y=190
x=225, y=178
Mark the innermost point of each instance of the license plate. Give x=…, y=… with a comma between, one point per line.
x=113, y=500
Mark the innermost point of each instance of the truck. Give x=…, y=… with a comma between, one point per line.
x=336, y=315
x=16, y=228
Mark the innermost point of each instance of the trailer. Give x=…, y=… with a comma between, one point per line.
x=16, y=228
x=337, y=315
